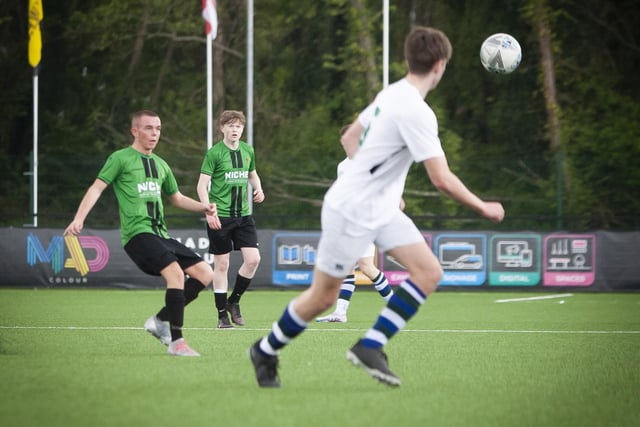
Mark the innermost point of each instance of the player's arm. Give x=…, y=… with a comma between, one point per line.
x=203, y=187
x=448, y=183
x=350, y=140
x=87, y=203
x=258, y=192
x=203, y=194
x=181, y=201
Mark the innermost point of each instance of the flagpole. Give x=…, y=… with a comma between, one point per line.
x=210, y=16
x=36, y=14
x=35, y=149
x=385, y=43
x=249, y=132
x=209, y=92
x=250, y=72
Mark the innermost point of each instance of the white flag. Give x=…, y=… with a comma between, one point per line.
x=210, y=15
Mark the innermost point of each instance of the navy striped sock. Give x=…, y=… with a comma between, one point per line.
x=283, y=331
x=402, y=306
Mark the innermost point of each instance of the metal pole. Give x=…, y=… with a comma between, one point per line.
x=249, y=129
x=559, y=189
x=209, y=92
x=35, y=148
x=249, y=72
x=385, y=43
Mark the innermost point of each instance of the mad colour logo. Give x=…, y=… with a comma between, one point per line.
x=78, y=247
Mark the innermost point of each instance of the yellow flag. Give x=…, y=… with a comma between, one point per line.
x=35, y=37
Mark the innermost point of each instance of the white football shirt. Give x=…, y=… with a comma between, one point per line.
x=400, y=129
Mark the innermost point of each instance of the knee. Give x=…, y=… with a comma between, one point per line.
x=203, y=274
x=221, y=264
x=428, y=279
x=253, y=261
x=433, y=278
x=250, y=263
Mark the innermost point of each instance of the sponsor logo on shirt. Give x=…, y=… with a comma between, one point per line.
x=148, y=189
x=236, y=177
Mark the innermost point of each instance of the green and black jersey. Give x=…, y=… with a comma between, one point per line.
x=229, y=171
x=139, y=181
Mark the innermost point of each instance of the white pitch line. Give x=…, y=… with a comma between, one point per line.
x=534, y=298
x=339, y=330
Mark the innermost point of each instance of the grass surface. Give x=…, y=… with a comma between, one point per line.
x=81, y=357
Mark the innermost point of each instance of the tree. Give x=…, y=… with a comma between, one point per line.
x=317, y=65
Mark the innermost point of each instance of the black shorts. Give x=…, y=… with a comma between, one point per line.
x=236, y=233
x=153, y=253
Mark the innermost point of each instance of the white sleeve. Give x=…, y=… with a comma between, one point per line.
x=365, y=117
x=420, y=133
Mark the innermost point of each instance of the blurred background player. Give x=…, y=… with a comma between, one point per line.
x=366, y=265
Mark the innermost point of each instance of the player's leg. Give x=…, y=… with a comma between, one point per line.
x=152, y=255
x=367, y=266
x=246, y=272
x=294, y=320
x=220, y=245
x=200, y=275
x=339, y=315
x=174, y=303
x=405, y=243
x=334, y=261
x=220, y=287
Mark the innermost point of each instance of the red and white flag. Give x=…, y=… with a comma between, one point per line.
x=210, y=15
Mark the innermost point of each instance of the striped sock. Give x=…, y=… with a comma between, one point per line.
x=283, y=331
x=348, y=287
x=382, y=286
x=402, y=306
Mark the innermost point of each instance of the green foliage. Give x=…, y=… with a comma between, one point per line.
x=605, y=178
x=316, y=66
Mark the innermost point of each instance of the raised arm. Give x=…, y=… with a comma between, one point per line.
x=448, y=183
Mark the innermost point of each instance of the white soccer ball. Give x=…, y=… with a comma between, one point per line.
x=500, y=53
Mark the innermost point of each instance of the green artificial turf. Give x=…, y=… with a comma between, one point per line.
x=81, y=358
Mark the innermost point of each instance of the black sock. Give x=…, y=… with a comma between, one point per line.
x=174, y=303
x=221, y=303
x=242, y=283
x=192, y=288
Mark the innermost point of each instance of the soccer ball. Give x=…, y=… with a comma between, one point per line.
x=500, y=53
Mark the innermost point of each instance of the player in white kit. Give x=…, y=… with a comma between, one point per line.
x=363, y=206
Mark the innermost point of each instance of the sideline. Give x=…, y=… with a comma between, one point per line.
x=243, y=329
x=534, y=298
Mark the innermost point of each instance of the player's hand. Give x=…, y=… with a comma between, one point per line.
x=74, y=228
x=214, y=222
x=493, y=211
x=211, y=213
x=258, y=196
x=210, y=209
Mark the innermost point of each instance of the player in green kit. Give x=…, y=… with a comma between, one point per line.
x=227, y=169
x=139, y=178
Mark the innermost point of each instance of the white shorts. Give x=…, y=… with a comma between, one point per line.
x=342, y=242
x=369, y=252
